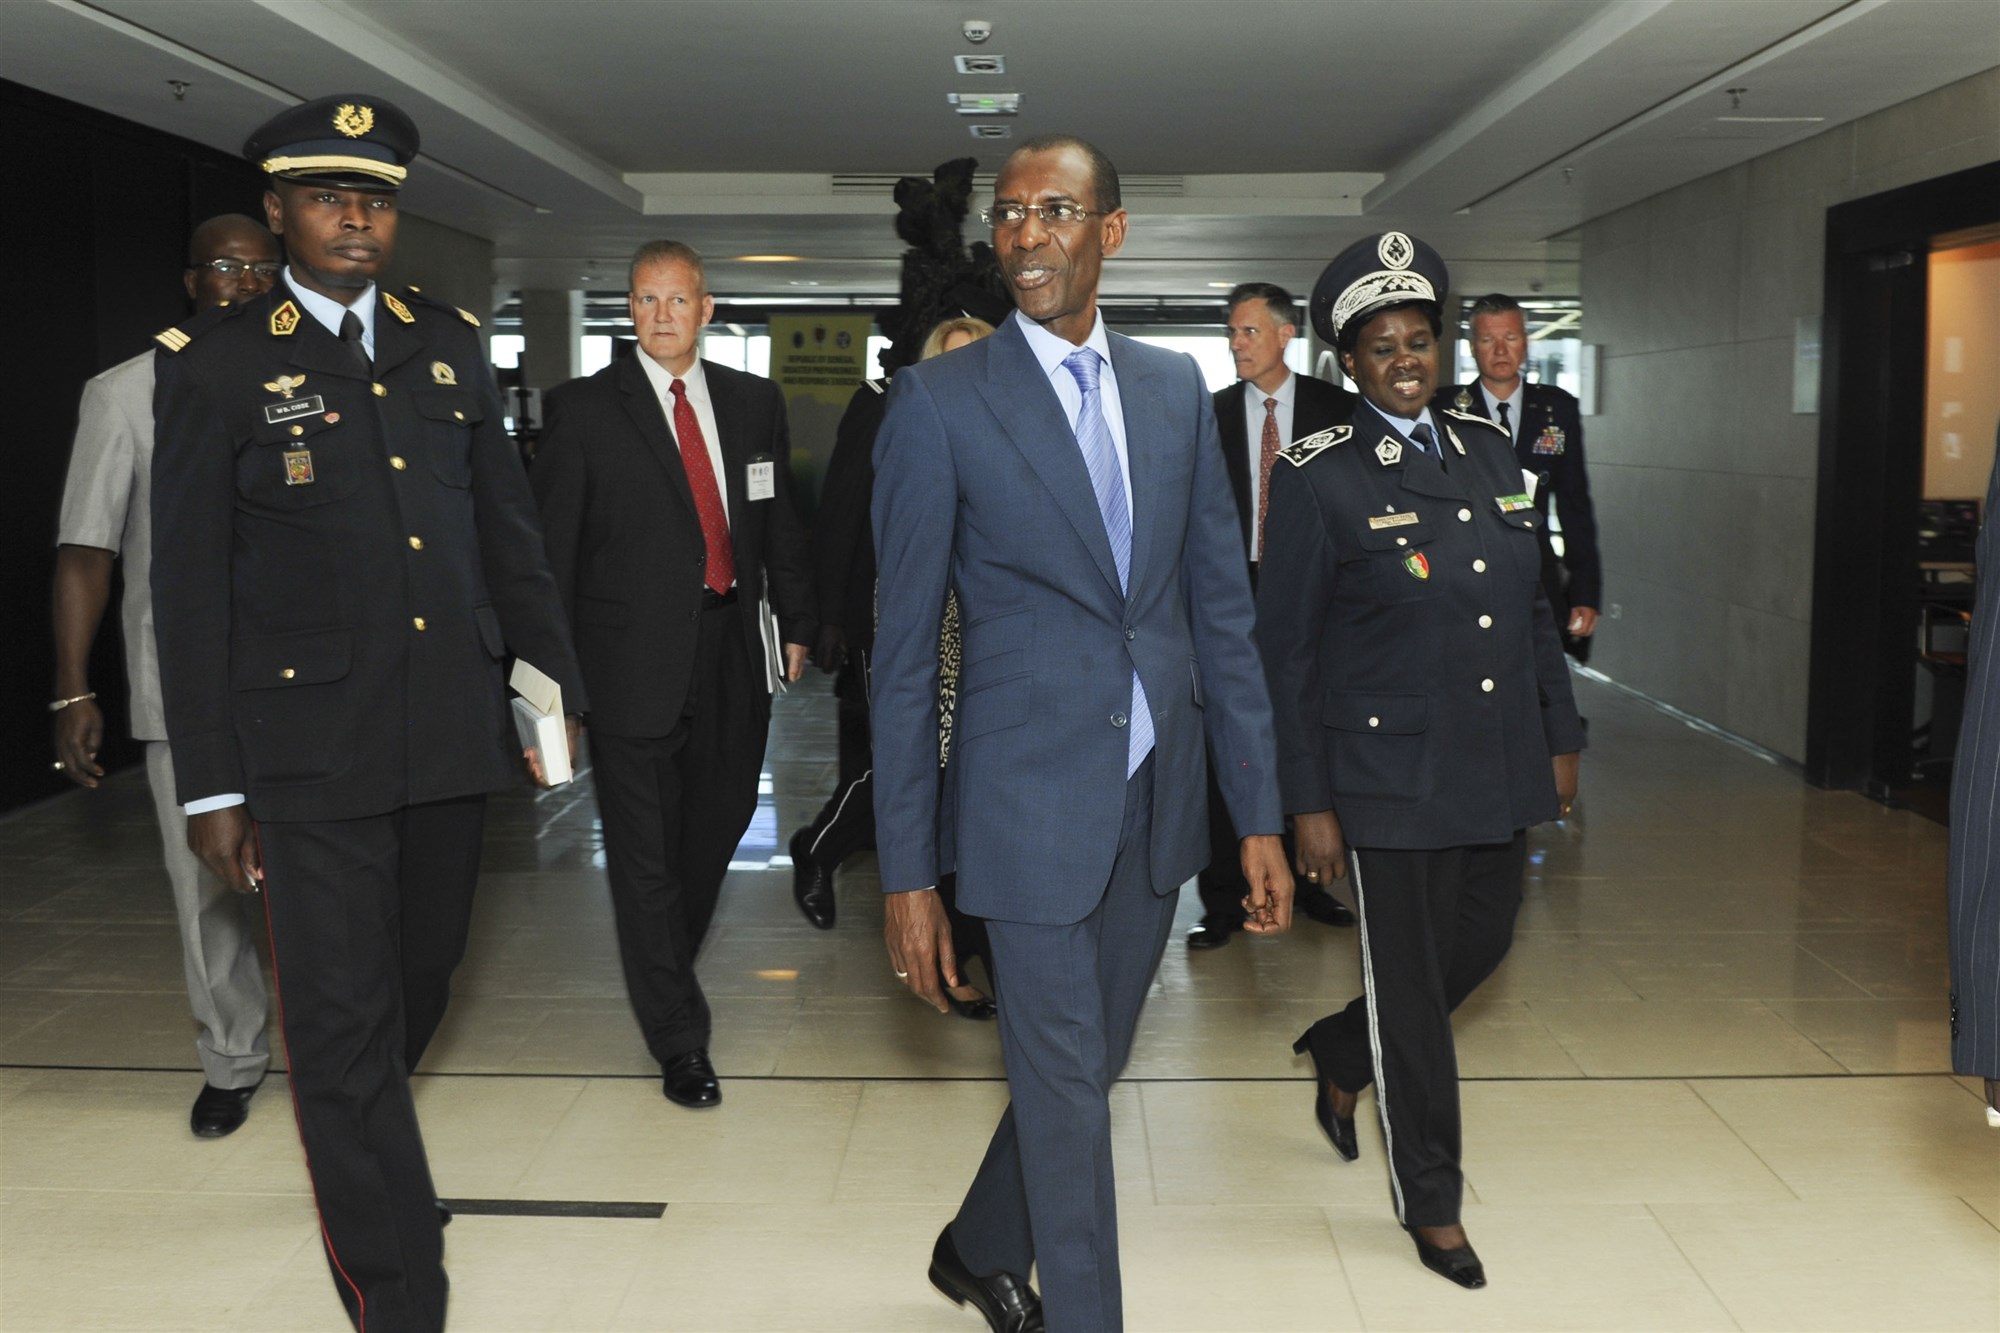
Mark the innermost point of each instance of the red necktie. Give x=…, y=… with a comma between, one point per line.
x=707, y=498
x=1267, y=454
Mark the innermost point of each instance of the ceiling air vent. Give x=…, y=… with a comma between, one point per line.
x=980, y=64
x=990, y=131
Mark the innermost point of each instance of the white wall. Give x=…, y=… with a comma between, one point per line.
x=1704, y=478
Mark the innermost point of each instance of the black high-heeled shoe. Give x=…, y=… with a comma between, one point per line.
x=1458, y=1265
x=979, y=1010
x=1339, y=1128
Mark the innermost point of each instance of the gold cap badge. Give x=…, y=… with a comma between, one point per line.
x=354, y=121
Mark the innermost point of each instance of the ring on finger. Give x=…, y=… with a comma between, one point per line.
x=901, y=976
x=60, y=766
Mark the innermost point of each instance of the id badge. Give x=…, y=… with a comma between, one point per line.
x=761, y=481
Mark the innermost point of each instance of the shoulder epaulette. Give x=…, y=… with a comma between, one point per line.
x=185, y=332
x=418, y=296
x=879, y=386
x=1487, y=422
x=1301, y=452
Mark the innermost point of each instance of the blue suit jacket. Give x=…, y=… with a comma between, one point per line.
x=980, y=485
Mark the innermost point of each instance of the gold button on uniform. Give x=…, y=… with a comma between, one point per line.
x=379, y=390
x=288, y=673
x=397, y=463
x=1479, y=566
x=460, y=416
x=1486, y=622
x=298, y=430
x=1487, y=685
x=418, y=622
x=416, y=543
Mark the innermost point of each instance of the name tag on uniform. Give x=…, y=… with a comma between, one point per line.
x=1381, y=521
x=274, y=413
x=1511, y=503
x=761, y=480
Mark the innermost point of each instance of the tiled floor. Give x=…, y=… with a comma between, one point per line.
x=1709, y=1089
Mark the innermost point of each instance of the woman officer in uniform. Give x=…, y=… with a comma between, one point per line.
x=1423, y=710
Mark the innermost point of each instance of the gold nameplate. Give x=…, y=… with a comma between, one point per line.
x=298, y=467
x=398, y=309
x=443, y=374
x=284, y=320
x=1393, y=521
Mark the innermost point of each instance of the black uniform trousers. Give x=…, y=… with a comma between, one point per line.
x=1434, y=925
x=368, y=917
x=846, y=823
x=1069, y=996
x=674, y=808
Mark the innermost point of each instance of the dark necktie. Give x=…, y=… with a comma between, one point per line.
x=1505, y=424
x=721, y=565
x=1267, y=455
x=1426, y=439
x=357, y=351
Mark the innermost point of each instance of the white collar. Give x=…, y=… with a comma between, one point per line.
x=663, y=379
x=329, y=311
x=1051, y=351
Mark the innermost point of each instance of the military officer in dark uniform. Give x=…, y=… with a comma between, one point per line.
x=1547, y=429
x=344, y=548
x=1424, y=714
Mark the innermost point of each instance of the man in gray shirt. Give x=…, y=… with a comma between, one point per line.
x=107, y=514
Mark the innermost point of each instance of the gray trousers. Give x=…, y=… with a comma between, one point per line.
x=225, y=982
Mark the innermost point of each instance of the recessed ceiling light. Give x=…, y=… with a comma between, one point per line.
x=1771, y=120
x=1225, y=286
x=768, y=259
x=801, y=282
x=985, y=104
x=981, y=64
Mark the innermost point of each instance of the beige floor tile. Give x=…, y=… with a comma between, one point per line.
x=1908, y=965
x=890, y=1037
x=1559, y=965
x=1182, y=1036
x=122, y=1030
x=102, y=1260
x=106, y=1130
x=767, y=1142
x=1680, y=1038
x=1573, y=1266
x=1874, y=1036
x=533, y=1275
x=1629, y=1141
x=482, y=1134
x=1255, y=1145
x=1986, y=1208
x=23, y=1011
x=1210, y=1269
x=1753, y=966
x=1678, y=907
x=1507, y=1039
x=1839, y=1136
x=1844, y=1264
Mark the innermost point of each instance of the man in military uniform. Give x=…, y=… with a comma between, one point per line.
x=1546, y=426
x=1424, y=714
x=344, y=548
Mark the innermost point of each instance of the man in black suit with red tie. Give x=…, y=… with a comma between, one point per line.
x=1262, y=413
x=665, y=488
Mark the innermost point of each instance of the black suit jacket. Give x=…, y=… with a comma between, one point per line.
x=1316, y=406
x=843, y=547
x=626, y=544
x=339, y=569
x=1548, y=441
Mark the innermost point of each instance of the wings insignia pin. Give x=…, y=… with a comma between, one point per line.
x=284, y=384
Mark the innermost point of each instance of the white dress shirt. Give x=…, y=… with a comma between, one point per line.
x=1514, y=405
x=1253, y=423
x=696, y=385
x=1051, y=351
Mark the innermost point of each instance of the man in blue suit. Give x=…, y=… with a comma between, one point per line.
x=1069, y=485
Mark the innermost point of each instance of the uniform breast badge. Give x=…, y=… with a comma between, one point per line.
x=443, y=374
x=292, y=408
x=284, y=319
x=398, y=309
x=1418, y=566
x=1550, y=441
x=1389, y=452
x=1464, y=400
x=298, y=467
x=284, y=384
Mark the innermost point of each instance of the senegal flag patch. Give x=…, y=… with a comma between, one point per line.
x=1418, y=566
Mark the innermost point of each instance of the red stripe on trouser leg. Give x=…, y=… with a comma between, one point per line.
x=298, y=1120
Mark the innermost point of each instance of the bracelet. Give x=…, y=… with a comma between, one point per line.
x=58, y=705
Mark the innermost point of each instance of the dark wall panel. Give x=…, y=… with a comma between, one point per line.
x=97, y=250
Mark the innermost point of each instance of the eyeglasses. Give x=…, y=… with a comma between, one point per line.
x=1052, y=215
x=234, y=268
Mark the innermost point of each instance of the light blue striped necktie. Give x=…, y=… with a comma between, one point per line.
x=1100, y=456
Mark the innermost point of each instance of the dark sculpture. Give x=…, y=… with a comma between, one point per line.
x=942, y=277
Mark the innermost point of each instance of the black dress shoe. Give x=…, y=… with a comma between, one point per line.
x=1314, y=901
x=812, y=885
x=1008, y=1302
x=689, y=1080
x=979, y=1008
x=1460, y=1265
x=1212, y=931
x=1339, y=1128
x=220, y=1111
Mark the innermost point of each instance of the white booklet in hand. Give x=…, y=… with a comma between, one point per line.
x=538, y=719
x=774, y=648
